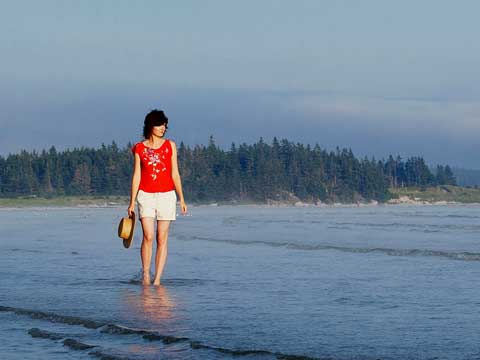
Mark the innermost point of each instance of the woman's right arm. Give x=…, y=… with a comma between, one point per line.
x=135, y=183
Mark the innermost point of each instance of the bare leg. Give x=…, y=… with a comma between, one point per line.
x=148, y=227
x=162, y=249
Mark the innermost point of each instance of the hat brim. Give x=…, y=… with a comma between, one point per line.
x=127, y=242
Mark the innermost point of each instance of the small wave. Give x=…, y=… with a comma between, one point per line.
x=240, y=242
x=238, y=220
x=169, y=339
x=197, y=345
x=464, y=256
x=170, y=282
x=185, y=282
x=456, y=216
x=339, y=227
x=146, y=334
x=429, y=215
x=70, y=320
x=115, y=329
x=77, y=345
x=343, y=300
x=166, y=339
x=43, y=334
x=122, y=330
x=411, y=226
x=32, y=251
x=106, y=356
x=131, y=282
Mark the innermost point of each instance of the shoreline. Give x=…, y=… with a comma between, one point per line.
x=435, y=196
x=102, y=204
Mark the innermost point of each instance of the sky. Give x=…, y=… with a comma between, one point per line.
x=380, y=77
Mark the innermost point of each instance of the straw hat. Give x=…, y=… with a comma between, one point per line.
x=126, y=228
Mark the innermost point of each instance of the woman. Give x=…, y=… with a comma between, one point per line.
x=154, y=182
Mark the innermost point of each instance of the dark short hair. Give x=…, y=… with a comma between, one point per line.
x=154, y=118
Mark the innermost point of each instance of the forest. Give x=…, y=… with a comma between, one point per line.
x=259, y=172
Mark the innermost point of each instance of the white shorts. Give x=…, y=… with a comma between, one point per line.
x=159, y=205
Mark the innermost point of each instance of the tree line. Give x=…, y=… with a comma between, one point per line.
x=280, y=171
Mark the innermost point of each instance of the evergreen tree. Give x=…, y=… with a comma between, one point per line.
x=282, y=170
x=450, y=178
x=81, y=180
x=440, y=176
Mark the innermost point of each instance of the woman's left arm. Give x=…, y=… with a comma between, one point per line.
x=177, y=181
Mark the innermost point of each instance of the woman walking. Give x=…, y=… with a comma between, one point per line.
x=154, y=183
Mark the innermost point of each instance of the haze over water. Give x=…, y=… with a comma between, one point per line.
x=385, y=282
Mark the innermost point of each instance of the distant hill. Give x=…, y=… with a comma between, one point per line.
x=467, y=177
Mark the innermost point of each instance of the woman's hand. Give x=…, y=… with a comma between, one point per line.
x=131, y=210
x=183, y=207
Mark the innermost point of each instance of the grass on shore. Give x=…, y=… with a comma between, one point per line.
x=433, y=194
x=447, y=193
x=64, y=201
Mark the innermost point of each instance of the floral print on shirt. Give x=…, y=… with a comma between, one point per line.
x=154, y=159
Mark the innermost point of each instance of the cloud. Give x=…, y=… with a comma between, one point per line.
x=441, y=131
x=457, y=119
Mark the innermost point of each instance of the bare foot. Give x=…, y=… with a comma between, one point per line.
x=146, y=280
x=156, y=282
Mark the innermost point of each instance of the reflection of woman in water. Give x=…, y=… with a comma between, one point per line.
x=152, y=304
x=154, y=183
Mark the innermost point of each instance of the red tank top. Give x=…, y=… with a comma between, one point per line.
x=156, y=167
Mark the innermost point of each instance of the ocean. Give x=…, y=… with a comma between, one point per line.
x=244, y=282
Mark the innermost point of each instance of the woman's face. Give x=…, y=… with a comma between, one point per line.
x=159, y=130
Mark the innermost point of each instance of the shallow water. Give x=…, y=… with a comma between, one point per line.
x=393, y=282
